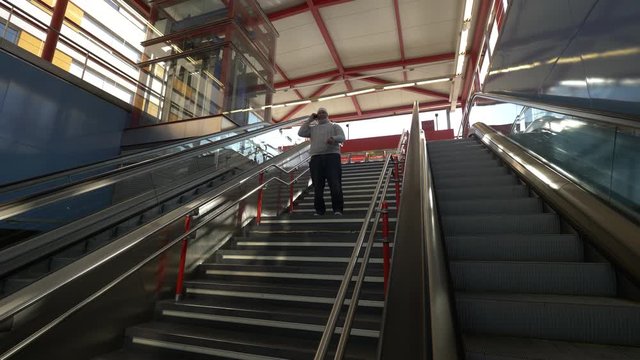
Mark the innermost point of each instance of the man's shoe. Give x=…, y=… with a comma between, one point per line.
x=316, y=214
x=337, y=213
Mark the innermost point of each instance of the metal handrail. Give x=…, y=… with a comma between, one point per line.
x=346, y=280
x=17, y=185
x=418, y=322
x=355, y=297
x=31, y=202
x=594, y=115
x=609, y=230
x=18, y=301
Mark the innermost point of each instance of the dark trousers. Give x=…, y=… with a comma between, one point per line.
x=327, y=167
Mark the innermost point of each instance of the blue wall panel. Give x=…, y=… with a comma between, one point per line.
x=48, y=124
x=576, y=52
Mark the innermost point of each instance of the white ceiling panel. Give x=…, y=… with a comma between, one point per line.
x=420, y=12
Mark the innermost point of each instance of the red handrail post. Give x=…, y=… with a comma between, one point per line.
x=291, y=192
x=260, y=194
x=386, y=254
x=396, y=177
x=183, y=259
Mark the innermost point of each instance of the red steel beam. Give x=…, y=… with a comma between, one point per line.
x=414, y=89
x=396, y=8
x=398, y=110
x=332, y=49
x=295, y=110
x=302, y=8
x=368, y=67
x=142, y=7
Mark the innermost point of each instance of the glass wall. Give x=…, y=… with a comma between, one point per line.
x=603, y=158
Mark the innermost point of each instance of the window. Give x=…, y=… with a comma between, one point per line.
x=10, y=34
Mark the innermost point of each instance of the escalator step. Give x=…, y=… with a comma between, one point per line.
x=443, y=175
x=538, y=247
x=593, y=279
x=502, y=224
x=490, y=206
x=483, y=192
x=584, y=319
x=478, y=181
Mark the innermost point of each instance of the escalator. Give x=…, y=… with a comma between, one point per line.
x=524, y=280
x=513, y=247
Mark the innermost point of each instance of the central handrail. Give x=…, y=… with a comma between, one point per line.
x=346, y=280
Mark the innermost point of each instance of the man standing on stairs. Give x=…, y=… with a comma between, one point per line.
x=326, y=138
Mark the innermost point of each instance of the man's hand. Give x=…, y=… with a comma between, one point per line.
x=331, y=140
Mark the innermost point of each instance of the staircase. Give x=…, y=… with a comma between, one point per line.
x=267, y=293
x=526, y=286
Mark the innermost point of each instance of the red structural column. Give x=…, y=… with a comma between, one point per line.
x=260, y=195
x=53, y=33
x=183, y=259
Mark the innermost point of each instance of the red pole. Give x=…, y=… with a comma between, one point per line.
x=291, y=193
x=396, y=177
x=385, y=244
x=53, y=33
x=260, y=193
x=183, y=259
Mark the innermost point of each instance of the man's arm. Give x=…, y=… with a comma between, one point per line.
x=338, y=133
x=305, y=129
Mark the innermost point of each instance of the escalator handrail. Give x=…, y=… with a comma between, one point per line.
x=587, y=114
x=418, y=320
x=32, y=202
x=612, y=232
x=20, y=184
x=20, y=300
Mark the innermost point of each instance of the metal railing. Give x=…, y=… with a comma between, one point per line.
x=121, y=162
x=418, y=320
x=594, y=115
x=378, y=197
x=32, y=202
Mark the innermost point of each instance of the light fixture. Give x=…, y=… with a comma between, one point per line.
x=240, y=110
x=266, y=107
x=425, y=82
x=398, y=86
x=331, y=97
x=358, y=92
x=277, y=106
x=293, y=103
x=166, y=48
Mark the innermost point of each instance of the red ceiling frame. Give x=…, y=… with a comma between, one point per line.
x=414, y=89
x=396, y=8
x=424, y=60
x=398, y=110
x=284, y=76
x=295, y=110
x=142, y=7
x=302, y=8
x=332, y=49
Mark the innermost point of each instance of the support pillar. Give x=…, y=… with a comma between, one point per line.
x=53, y=33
